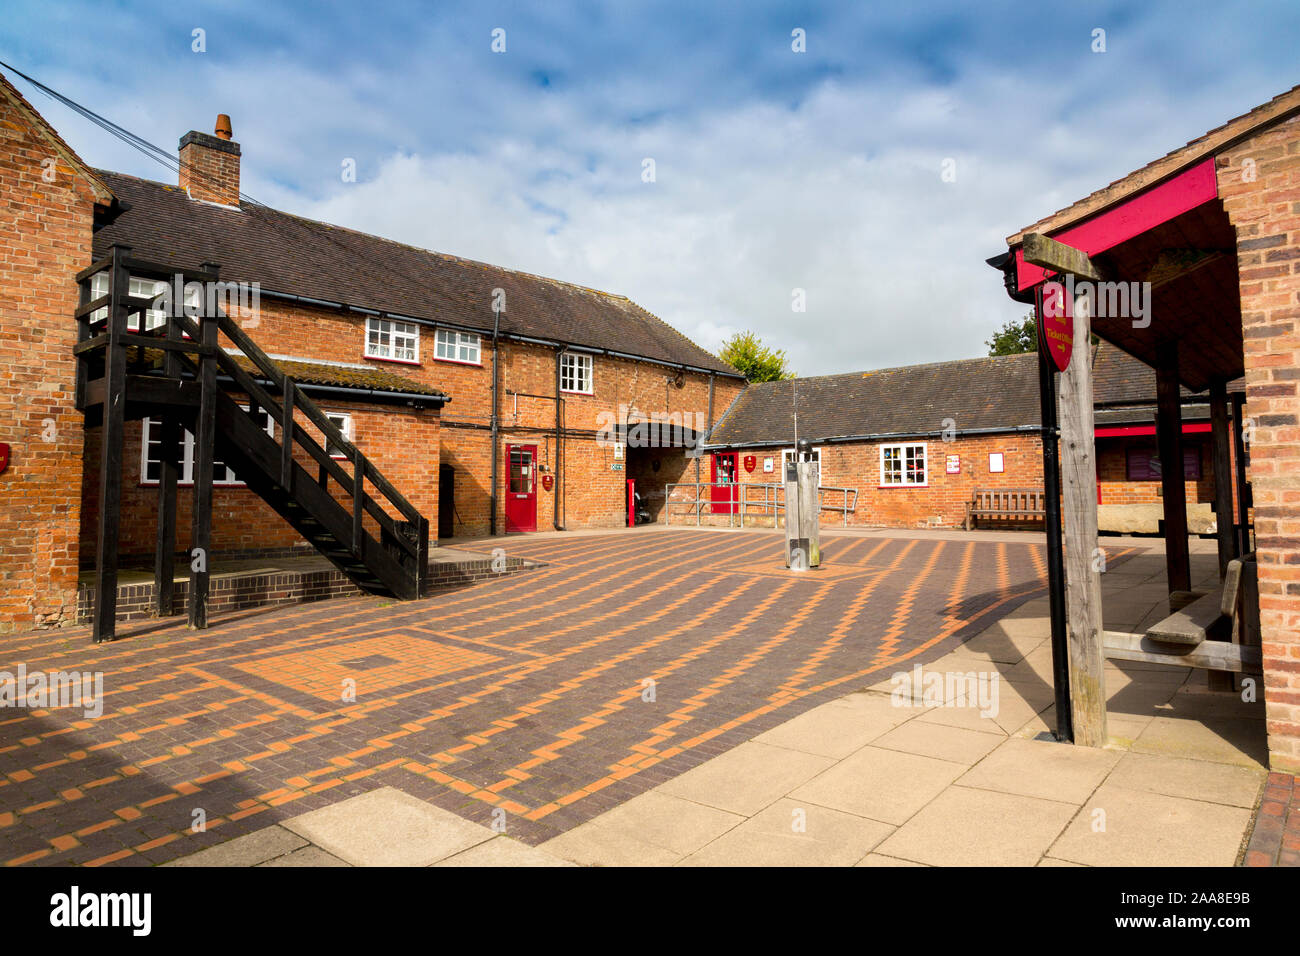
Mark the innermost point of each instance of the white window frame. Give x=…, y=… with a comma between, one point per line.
x=379, y=329
x=344, y=422
x=139, y=288
x=788, y=453
x=902, y=449
x=573, y=365
x=451, y=345
x=222, y=474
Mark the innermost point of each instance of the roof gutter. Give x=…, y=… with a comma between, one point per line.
x=358, y=394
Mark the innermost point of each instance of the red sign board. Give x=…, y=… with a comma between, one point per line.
x=4, y=457
x=547, y=481
x=1056, y=322
x=751, y=462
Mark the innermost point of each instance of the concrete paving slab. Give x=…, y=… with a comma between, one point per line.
x=594, y=845
x=773, y=838
x=307, y=856
x=503, y=851
x=248, y=850
x=387, y=827
x=955, y=744
x=884, y=785
x=879, y=859
x=1049, y=771
x=965, y=827
x=826, y=730
x=1152, y=829
x=1193, y=779
x=663, y=820
x=748, y=778
x=1223, y=740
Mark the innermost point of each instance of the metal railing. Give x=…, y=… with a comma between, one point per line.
x=691, y=500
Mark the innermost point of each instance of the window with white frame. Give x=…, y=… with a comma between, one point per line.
x=575, y=373
x=452, y=346
x=390, y=339
x=343, y=422
x=142, y=289
x=787, y=455
x=902, y=465
x=151, y=455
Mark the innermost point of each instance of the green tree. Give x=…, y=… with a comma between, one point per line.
x=746, y=352
x=1015, y=337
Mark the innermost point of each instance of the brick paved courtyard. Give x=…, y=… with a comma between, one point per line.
x=546, y=697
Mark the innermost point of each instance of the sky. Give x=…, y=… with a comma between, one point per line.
x=868, y=175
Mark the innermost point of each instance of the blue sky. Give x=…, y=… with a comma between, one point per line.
x=774, y=170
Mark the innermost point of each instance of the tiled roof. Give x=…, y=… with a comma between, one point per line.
x=981, y=394
x=289, y=254
x=10, y=92
x=315, y=373
x=1275, y=110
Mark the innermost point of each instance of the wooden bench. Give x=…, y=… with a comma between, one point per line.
x=1215, y=631
x=1006, y=504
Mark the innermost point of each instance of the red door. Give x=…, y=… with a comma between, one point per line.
x=521, y=488
x=724, y=493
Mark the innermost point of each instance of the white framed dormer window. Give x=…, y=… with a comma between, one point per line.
x=575, y=373
x=343, y=422
x=138, y=288
x=787, y=455
x=903, y=466
x=151, y=456
x=452, y=346
x=392, y=340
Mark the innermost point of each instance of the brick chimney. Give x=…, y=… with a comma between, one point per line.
x=210, y=164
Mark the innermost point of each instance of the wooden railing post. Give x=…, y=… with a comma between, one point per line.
x=286, y=437
x=358, y=481
x=110, y=462
x=205, y=433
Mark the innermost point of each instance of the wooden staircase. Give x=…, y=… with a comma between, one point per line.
x=179, y=376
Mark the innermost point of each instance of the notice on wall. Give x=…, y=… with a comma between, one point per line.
x=768, y=466
x=953, y=466
x=997, y=464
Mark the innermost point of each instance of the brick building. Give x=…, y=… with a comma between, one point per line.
x=404, y=350
x=908, y=447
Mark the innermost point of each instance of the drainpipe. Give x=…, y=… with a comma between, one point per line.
x=559, y=447
x=496, y=385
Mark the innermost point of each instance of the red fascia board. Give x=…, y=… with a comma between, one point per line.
x=1172, y=198
x=1124, y=431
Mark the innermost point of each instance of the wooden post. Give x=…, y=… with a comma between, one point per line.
x=169, y=441
x=1082, y=558
x=1223, y=477
x=204, y=439
x=1243, y=489
x=1169, y=439
x=103, y=627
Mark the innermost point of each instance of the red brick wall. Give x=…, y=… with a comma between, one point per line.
x=941, y=503
x=1262, y=199
x=45, y=238
x=1112, y=469
x=210, y=172
x=397, y=440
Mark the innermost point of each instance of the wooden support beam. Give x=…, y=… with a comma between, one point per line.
x=286, y=437
x=1223, y=477
x=103, y=627
x=358, y=498
x=1209, y=655
x=1173, y=488
x=1239, y=462
x=1058, y=257
x=164, y=573
x=1219, y=415
x=204, y=440
x=1082, y=564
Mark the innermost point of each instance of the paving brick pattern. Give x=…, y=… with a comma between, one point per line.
x=1275, y=835
x=539, y=700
